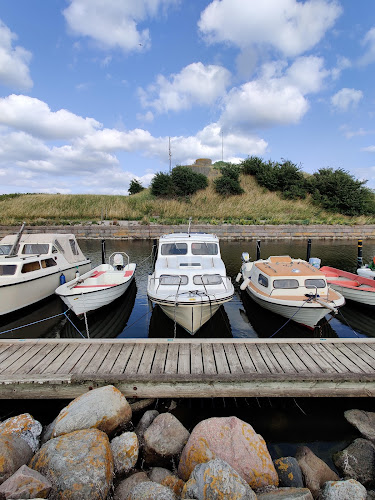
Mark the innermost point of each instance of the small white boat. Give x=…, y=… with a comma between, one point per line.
x=368, y=270
x=98, y=287
x=289, y=287
x=189, y=281
x=32, y=265
x=351, y=286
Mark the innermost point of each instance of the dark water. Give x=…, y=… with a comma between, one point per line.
x=132, y=316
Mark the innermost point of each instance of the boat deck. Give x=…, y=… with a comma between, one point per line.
x=61, y=368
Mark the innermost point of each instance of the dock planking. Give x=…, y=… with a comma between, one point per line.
x=149, y=368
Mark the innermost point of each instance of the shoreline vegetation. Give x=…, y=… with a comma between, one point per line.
x=255, y=206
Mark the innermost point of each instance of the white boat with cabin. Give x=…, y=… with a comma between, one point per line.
x=189, y=281
x=98, y=287
x=289, y=287
x=32, y=265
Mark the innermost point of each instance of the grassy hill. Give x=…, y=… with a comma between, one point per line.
x=256, y=206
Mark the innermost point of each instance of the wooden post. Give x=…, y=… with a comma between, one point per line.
x=258, y=250
x=359, y=254
x=308, y=253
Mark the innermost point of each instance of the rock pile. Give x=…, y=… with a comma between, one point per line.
x=91, y=451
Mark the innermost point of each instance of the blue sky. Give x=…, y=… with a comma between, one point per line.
x=91, y=91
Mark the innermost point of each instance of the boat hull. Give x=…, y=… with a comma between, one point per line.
x=356, y=295
x=353, y=287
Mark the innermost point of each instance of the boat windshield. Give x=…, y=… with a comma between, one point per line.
x=5, y=249
x=35, y=248
x=168, y=279
x=207, y=279
x=174, y=249
x=7, y=269
x=204, y=248
x=312, y=283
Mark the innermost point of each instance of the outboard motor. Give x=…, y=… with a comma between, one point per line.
x=315, y=262
x=118, y=261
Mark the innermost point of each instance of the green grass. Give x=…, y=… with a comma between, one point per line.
x=255, y=206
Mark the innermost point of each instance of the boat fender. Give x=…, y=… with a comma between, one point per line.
x=62, y=279
x=245, y=283
x=77, y=273
x=238, y=277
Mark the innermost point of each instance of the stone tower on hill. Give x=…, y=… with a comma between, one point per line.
x=204, y=166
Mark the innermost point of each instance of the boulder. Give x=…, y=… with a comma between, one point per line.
x=14, y=452
x=125, y=452
x=217, y=479
x=164, y=439
x=79, y=465
x=151, y=491
x=364, y=421
x=343, y=490
x=166, y=478
x=289, y=472
x=26, y=483
x=105, y=409
x=315, y=471
x=357, y=461
x=233, y=441
x=123, y=489
x=286, y=494
x=145, y=422
x=24, y=426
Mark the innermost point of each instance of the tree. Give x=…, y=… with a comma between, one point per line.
x=251, y=165
x=161, y=185
x=186, y=182
x=229, y=184
x=135, y=187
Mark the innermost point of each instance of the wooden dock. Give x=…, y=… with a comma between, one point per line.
x=163, y=368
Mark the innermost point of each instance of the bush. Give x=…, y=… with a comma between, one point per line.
x=251, y=165
x=229, y=184
x=161, y=185
x=186, y=182
x=135, y=187
x=339, y=191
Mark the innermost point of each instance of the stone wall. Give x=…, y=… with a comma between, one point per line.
x=133, y=230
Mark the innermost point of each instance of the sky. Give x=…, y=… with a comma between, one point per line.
x=96, y=93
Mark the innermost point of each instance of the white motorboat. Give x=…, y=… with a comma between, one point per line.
x=289, y=287
x=32, y=266
x=368, y=270
x=189, y=281
x=98, y=287
x=353, y=287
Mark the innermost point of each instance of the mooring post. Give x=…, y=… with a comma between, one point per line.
x=154, y=253
x=103, y=251
x=258, y=249
x=359, y=254
x=308, y=253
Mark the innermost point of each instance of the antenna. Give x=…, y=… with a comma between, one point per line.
x=190, y=219
x=170, y=156
x=222, y=145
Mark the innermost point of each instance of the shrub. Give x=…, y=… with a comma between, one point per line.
x=186, y=182
x=161, y=185
x=135, y=187
x=251, y=165
x=229, y=184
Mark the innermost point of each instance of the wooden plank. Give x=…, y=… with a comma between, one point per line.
x=184, y=359
x=59, y=360
x=324, y=366
x=303, y=354
x=122, y=359
x=196, y=358
x=98, y=359
x=71, y=362
x=18, y=351
x=6, y=350
x=220, y=359
x=147, y=359
x=41, y=366
x=208, y=358
x=110, y=359
x=296, y=361
x=324, y=353
x=282, y=359
x=29, y=365
x=232, y=358
x=270, y=359
x=86, y=358
x=159, y=359
x=245, y=359
x=364, y=351
x=172, y=359
x=359, y=361
x=24, y=358
x=257, y=359
x=135, y=359
x=343, y=359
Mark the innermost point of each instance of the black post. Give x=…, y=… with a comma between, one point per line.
x=258, y=249
x=308, y=253
x=103, y=251
x=154, y=253
x=359, y=255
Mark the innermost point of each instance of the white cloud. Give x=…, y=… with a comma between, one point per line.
x=14, y=61
x=346, y=98
x=113, y=23
x=195, y=84
x=368, y=43
x=35, y=117
x=147, y=117
x=342, y=63
x=369, y=149
x=288, y=26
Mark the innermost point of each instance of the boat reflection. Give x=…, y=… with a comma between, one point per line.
x=107, y=322
x=267, y=324
x=161, y=326
x=358, y=317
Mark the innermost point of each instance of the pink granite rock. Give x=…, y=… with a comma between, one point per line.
x=233, y=441
x=24, y=426
x=125, y=452
x=26, y=483
x=14, y=452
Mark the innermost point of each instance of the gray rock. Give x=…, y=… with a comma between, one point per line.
x=26, y=483
x=14, y=452
x=364, y=421
x=166, y=478
x=105, y=409
x=145, y=422
x=79, y=465
x=125, y=452
x=151, y=491
x=370, y=495
x=24, y=426
x=158, y=474
x=314, y=470
x=343, y=490
x=289, y=472
x=123, y=489
x=286, y=494
x=216, y=479
x=357, y=461
x=164, y=439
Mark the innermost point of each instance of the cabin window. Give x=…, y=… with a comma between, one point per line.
x=59, y=247
x=207, y=279
x=168, y=279
x=48, y=263
x=73, y=246
x=7, y=270
x=54, y=250
x=285, y=283
x=28, y=267
x=174, y=249
x=35, y=248
x=263, y=280
x=312, y=283
x=204, y=249
x=5, y=249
